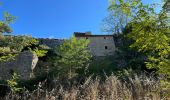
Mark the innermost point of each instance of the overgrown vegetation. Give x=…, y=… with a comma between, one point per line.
x=135, y=88
x=70, y=72
x=13, y=83
x=72, y=55
x=148, y=32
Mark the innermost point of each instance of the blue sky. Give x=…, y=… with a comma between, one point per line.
x=56, y=18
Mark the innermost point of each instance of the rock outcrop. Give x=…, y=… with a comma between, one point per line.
x=23, y=64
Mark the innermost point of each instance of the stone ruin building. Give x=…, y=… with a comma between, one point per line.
x=25, y=62
x=100, y=45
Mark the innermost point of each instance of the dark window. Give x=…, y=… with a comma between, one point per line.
x=11, y=71
x=106, y=47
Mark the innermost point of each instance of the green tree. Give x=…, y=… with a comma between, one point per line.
x=12, y=45
x=5, y=51
x=13, y=83
x=72, y=55
x=116, y=21
x=149, y=33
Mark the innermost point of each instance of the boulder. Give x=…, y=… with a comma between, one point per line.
x=23, y=64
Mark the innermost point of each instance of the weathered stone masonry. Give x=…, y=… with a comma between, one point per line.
x=23, y=65
x=25, y=62
x=50, y=42
x=100, y=45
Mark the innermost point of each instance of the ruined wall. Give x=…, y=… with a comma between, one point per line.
x=23, y=65
x=25, y=62
x=50, y=42
x=100, y=45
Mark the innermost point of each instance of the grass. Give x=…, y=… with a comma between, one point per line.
x=136, y=88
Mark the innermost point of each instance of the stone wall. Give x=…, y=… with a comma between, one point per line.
x=50, y=42
x=100, y=45
x=25, y=62
x=23, y=65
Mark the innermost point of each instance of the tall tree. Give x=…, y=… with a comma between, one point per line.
x=72, y=55
x=12, y=45
x=115, y=22
x=119, y=15
x=5, y=51
x=149, y=32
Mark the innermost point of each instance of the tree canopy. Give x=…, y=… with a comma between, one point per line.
x=72, y=55
x=148, y=31
x=11, y=45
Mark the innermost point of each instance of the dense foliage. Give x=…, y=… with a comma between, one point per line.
x=149, y=33
x=142, y=39
x=72, y=55
x=12, y=45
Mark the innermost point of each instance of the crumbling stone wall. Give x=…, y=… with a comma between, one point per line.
x=50, y=42
x=100, y=45
x=25, y=62
x=23, y=65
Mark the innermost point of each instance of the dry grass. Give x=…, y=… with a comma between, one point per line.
x=137, y=88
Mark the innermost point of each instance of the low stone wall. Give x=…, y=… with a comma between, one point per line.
x=50, y=42
x=23, y=65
